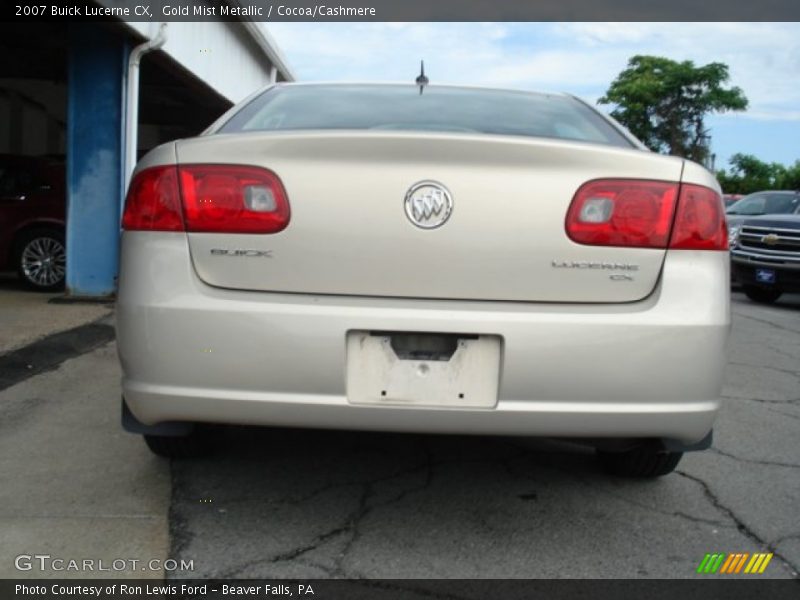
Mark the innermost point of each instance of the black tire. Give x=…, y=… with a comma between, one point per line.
x=761, y=295
x=643, y=462
x=194, y=445
x=40, y=258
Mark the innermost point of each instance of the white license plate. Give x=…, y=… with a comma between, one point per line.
x=376, y=375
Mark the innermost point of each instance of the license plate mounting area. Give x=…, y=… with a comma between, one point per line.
x=765, y=276
x=423, y=369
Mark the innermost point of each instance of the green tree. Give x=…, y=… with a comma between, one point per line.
x=748, y=174
x=664, y=103
x=791, y=179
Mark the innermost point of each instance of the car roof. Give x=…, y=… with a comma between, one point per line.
x=450, y=86
x=22, y=159
x=774, y=192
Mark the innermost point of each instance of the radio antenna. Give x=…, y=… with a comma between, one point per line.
x=421, y=79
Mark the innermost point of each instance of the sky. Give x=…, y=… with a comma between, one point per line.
x=579, y=58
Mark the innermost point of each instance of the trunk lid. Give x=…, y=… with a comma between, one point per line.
x=349, y=232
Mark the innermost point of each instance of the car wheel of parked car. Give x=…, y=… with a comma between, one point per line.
x=41, y=259
x=642, y=462
x=185, y=446
x=762, y=295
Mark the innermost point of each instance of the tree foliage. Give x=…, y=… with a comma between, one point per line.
x=791, y=179
x=664, y=102
x=748, y=174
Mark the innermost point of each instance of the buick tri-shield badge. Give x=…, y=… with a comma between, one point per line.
x=428, y=204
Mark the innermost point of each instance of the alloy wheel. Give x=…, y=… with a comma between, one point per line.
x=43, y=261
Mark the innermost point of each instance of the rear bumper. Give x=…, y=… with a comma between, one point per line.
x=190, y=352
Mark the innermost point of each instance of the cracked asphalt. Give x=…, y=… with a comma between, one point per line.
x=307, y=504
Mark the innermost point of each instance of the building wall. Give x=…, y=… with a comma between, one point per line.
x=223, y=55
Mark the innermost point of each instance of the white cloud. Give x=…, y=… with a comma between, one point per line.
x=597, y=34
x=583, y=58
x=764, y=58
x=388, y=51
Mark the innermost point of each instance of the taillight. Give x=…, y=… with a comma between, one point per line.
x=647, y=214
x=700, y=222
x=207, y=198
x=153, y=201
x=233, y=199
x=622, y=212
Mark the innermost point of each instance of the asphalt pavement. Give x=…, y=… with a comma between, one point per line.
x=26, y=317
x=275, y=503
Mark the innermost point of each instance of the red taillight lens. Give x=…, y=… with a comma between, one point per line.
x=639, y=214
x=700, y=222
x=153, y=201
x=207, y=198
x=233, y=199
x=622, y=212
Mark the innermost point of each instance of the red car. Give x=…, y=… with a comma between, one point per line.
x=32, y=220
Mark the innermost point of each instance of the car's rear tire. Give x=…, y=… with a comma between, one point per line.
x=194, y=445
x=40, y=257
x=641, y=462
x=761, y=295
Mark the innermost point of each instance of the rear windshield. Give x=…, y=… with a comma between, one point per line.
x=437, y=109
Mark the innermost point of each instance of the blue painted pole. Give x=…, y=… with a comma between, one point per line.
x=95, y=146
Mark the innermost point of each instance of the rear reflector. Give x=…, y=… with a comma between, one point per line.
x=700, y=222
x=640, y=214
x=207, y=198
x=153, y=202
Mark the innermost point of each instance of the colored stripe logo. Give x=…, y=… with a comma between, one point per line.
x=734, y=564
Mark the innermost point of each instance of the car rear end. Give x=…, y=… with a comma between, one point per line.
x=419, y=276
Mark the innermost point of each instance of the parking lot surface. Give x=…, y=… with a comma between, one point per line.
x=26, y=317
x=301, y=503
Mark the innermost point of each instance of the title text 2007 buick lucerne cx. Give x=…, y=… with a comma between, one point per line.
x=438, y=259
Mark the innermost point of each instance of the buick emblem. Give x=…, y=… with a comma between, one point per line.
x=428, y=204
